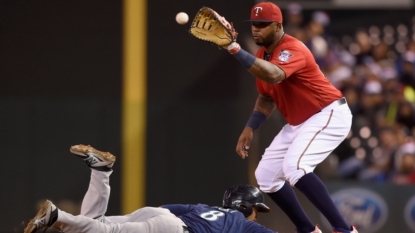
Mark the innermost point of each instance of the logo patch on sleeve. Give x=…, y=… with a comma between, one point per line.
x=284, y=55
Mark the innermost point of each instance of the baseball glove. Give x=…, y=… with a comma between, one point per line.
x=211, y=27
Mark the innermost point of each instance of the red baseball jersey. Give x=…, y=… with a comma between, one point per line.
x=305, y=91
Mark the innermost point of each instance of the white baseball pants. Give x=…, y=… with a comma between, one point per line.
x=94, y=206
x=297, y=150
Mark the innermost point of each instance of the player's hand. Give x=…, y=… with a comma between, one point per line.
x=244, y=142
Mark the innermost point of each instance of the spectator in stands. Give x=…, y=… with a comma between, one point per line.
x=380, y=64
x=316, y=39
x=365, y=46
x=404, y=172
x=371, y=106
x=293, y=19
x=405, y=116
x=408, y=66
x=376, y=165
x=379, y=163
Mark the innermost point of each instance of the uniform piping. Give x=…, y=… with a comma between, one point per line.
x=309, y=143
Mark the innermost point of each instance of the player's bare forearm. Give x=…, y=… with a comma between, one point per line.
x=267, y=71
x=265, y=104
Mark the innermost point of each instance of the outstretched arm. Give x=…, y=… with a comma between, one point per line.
x=267, y=71
x=262, y=69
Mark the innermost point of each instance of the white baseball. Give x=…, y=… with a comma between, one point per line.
x=182, y=18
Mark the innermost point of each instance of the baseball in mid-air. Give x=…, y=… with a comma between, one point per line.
x=182, y=18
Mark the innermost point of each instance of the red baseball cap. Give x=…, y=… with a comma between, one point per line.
x=265, y=12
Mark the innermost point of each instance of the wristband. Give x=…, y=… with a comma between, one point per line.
x=256, y=119
x=233, y=48
x=246, y=59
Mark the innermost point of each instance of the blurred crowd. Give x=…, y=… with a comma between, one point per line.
x=375, y=70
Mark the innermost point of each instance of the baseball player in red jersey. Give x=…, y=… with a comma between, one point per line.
x=318, y=119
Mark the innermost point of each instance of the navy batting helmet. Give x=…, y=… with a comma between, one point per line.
x=242, y=197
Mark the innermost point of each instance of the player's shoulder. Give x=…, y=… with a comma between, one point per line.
x=290, y=42
x=228, y=211
x=209, y=207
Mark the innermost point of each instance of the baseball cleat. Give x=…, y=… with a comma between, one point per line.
x=339, y=230
x=45, y=217
x=98, y=160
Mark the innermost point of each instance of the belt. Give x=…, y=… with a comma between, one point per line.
x=338, y=102
x=341, y=101
x=185, y=230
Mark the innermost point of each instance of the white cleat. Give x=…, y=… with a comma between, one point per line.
x=98, y=160
x=45, y=218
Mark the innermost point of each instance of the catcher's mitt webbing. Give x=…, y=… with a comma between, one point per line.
x=210, y=26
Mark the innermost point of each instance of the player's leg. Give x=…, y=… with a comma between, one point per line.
x=96, y=199
x=95, y=202
x=81, y=224
x=271, y=180
x=51, y=217
x=315, y=140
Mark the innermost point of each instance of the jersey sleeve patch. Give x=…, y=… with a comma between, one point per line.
x=284, y=56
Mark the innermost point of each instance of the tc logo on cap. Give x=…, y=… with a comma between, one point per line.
x=257, y=10
x=265, y=12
